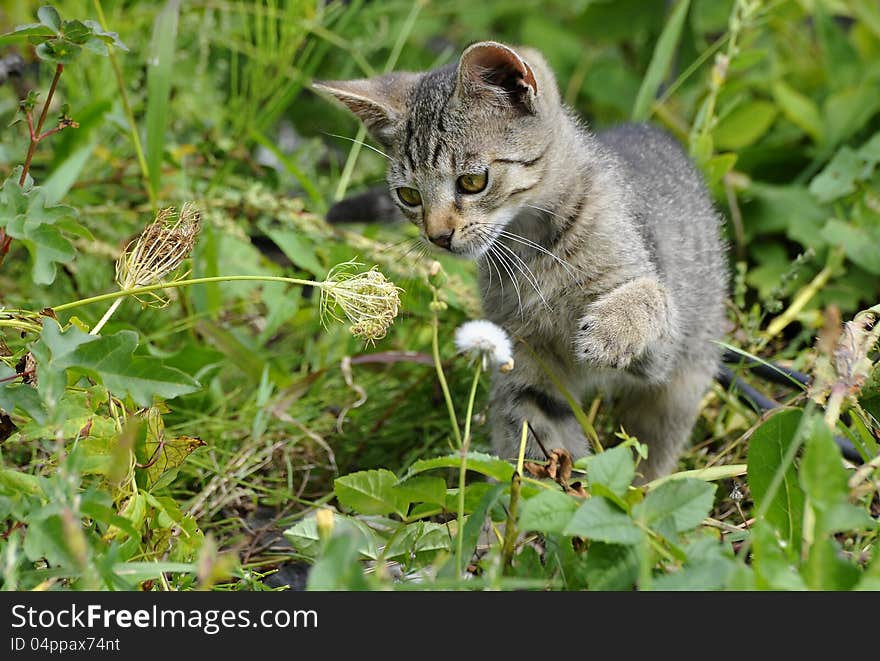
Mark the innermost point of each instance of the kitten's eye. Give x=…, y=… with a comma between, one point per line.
x=409, y=196
x=472, y=183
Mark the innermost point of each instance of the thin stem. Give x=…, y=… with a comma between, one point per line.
x=35, y=135
x=129, y=115
x=106, y=317
x=183, y=283
x=510, y=531
x=804, y=296
x=435, y=347
x=459, y=560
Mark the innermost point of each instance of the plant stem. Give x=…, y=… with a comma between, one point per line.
x=510, y=532
x=129, y=115
x=462, y=471
x=35, y=137
x=183, y=283
x=106, y=317
x=435, y=349
x=804, y=296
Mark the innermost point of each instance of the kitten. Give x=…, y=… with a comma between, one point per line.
x=601, y=252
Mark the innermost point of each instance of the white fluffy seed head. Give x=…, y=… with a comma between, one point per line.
x=487, y=340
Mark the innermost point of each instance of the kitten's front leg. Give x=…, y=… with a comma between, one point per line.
x=622, y=324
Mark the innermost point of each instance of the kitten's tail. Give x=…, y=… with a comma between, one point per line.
x=373, y=205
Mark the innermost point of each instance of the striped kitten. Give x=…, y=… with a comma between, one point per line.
x=601, y=252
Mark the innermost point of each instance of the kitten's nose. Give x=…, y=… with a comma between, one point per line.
x=442, y=239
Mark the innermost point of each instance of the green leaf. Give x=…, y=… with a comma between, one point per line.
x=473, y=526
x=708, y=567
x=772, y=560
x=826, y=569
x=49, y=17
x=838, y=178
x=548, y=512
x=860, y=244
x=744, y=125
x=476, y=461
x=34, y=32
x=664, y=52
x=160, y=69
x=614, y=469
x=370, y=492
x=800, y=110
x=612, y=566
x=767, y=447
x=422, y=490
x=20, y=395
x=298, y=249
x=27, y=217
x=338, y=568
x=305, y=538
x=110, y=360
x=684, y=502
x=600, y=520
x=419, y=543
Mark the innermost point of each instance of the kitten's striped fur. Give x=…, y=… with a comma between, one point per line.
x=601, y=252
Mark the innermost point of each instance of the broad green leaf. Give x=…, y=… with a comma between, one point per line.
x=420, y=542
x=744, y=125
x=614, y=469
x=767, y=447
x=110, y=359
x=612, y=566
x=826, y=568
x=684, y=502
x=473, y=526
x=337, y=567
x=871, y=577
x=784, y=209
x=160, y=70
x=709, y=474
x=28, y=218
x=13, y=481
x=861, y=244
x=422, y=489
x=142, y=571
x=838, y=178
x=708, y=567
x=548, y=512
x=848, y=110
x=49, y=17
x=16, y=395
x=476, y=461
x=800, y=110
x=370, y=492
x=305, y=538
x=772, y=560
x=598, y=519
x=664, y=52
x=825, y=482
x=298, y=249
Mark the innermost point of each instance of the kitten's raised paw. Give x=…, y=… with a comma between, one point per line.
x=618, y=328
x=607, y=343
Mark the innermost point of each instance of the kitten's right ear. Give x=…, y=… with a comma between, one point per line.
x=379, y=102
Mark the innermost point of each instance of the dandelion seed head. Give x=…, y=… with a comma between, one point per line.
x=483, y=338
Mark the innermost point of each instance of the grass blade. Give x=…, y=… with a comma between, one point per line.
x=660, y=61
x=159, y=71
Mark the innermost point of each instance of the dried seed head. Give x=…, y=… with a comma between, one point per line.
x=368, y=300
x=159, y=250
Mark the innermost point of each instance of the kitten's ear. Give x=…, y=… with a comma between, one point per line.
x=496, y=72
x=379, y=102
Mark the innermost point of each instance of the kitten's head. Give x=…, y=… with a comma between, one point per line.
x=466, y=142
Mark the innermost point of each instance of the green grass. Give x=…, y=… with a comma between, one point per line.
x=92, y=488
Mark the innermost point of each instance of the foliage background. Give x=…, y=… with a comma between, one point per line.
x=785, y=128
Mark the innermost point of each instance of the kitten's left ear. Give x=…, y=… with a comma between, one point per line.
x=497, y=73
x=379, y=102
